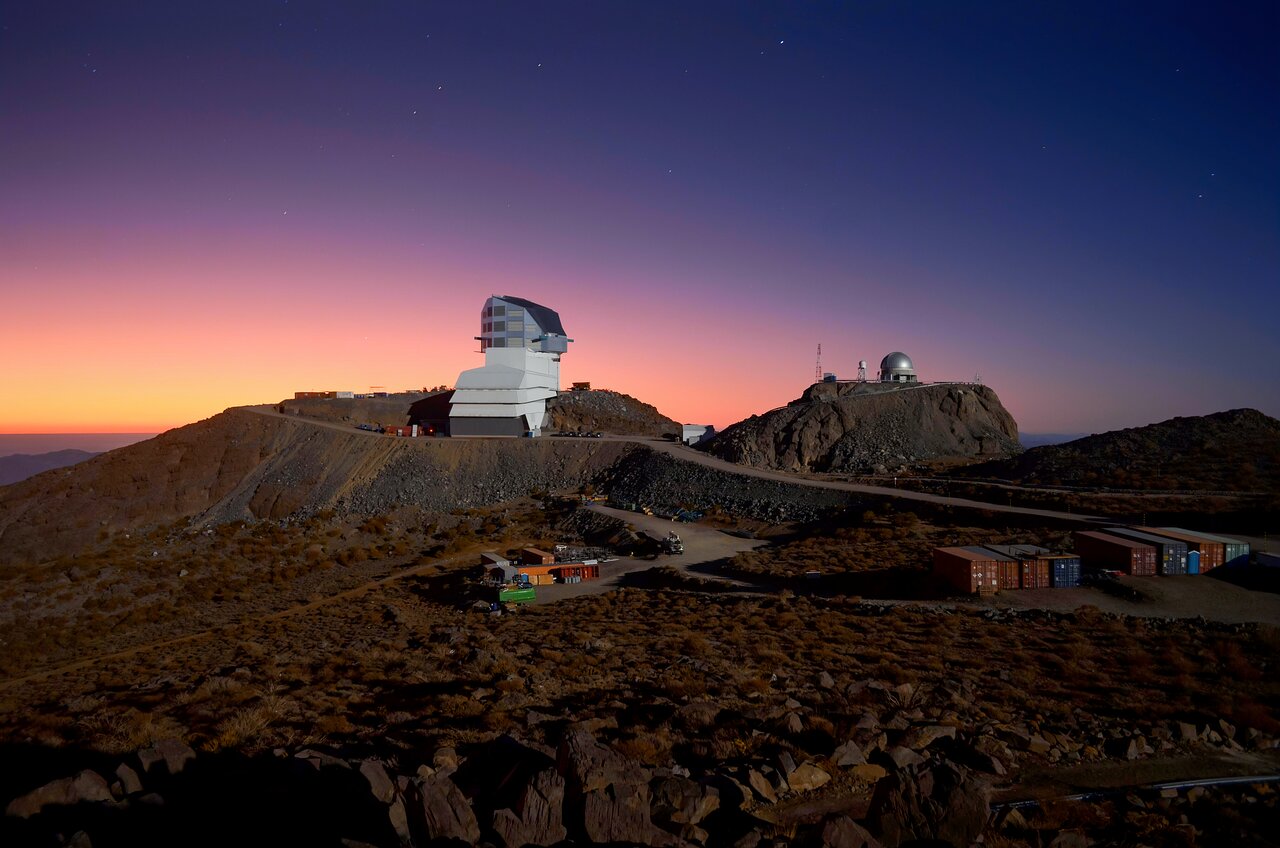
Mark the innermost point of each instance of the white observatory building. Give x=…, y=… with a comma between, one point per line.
x=521, y=342
x=897, y=368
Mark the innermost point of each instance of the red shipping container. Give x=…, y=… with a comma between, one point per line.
x=1102, y=550
x=966, y=570
x=1035, y=573
x=1009, y=573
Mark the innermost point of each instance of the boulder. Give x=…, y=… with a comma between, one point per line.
x=947, y=802
x=848, y=754
x=902, y=757
x=620, y=813
x=173, y=753
x=320, y=760
x=398, y=816
x=379, y=783
x=807, y=777
x=679, y=800
x=130, y=783
x=869, y=772
x=761, y=785
x=443, y=812
x=538, y=816
x=589, y=766
x=844, y=832
x=87, y=786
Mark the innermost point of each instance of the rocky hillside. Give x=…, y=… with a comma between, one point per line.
x=1233, y=451
x=245, y=465
x=608, y=412
x=861, y=427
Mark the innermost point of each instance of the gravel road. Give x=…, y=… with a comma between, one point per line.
x=701, y=545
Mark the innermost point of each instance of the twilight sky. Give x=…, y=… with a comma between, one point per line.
x=206, y=205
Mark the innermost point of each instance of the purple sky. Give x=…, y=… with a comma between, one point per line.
x=1079, y=202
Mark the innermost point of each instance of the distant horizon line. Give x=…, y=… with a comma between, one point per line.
x=94, y=433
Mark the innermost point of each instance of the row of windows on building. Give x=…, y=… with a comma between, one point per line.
x=516, y=327
x=515, y=312
x=516, y=341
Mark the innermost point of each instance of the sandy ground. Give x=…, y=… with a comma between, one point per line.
x=1169, y=597
x=701, y=545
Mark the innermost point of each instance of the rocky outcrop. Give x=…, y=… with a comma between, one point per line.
x=946, y=802
x=860, y=427
x=609, y=412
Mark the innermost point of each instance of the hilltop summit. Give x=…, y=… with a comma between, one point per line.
x=866, y=426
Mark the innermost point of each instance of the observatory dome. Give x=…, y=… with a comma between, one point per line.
x=897, y=368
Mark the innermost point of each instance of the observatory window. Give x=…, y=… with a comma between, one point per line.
x=499, y=326
x=515, y=312
x=499, y=311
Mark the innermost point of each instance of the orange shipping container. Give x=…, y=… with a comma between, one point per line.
x=967, y=570
x=1035, y=573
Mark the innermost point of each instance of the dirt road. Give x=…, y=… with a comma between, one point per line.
x=701, y=545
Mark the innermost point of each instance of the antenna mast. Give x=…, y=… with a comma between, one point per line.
x=817, y=366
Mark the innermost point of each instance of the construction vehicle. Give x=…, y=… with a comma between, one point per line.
x=672, y=544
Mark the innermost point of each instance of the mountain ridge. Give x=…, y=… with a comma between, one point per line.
x=1232, y=450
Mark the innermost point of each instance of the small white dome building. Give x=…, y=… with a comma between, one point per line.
x=897, y=368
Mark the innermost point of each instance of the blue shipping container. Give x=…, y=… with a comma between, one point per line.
x=1193, y=562
x=1064, y=572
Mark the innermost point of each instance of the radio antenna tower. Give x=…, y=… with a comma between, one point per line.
x=817, y=366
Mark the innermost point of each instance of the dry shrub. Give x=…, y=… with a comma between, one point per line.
x=245, y=725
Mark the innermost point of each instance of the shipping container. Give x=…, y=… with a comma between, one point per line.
x=515, y=595
x=1193, y=562
x=1212, y=554
x=969, y=571
x=1064, y=571
x=534, y=556
x=1033, y=567
x=1171, y=554
x=1234, y=551
x=1103, y=551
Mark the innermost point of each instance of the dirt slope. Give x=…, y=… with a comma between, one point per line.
x=857, y=427
x=241, y=465
x=1236, y=450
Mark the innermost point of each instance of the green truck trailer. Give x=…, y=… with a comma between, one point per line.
x=515, y=595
